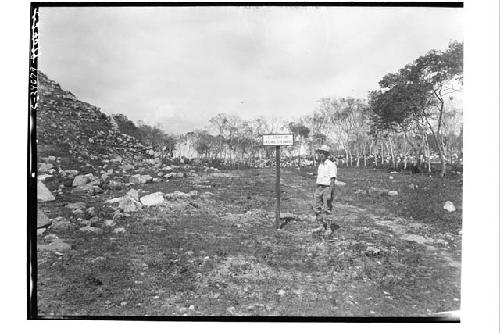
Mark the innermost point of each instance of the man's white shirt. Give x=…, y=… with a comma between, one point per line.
x=326, y=171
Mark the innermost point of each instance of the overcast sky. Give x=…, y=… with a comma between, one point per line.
x=181, y=66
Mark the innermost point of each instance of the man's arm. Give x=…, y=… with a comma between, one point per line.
x=333, y=176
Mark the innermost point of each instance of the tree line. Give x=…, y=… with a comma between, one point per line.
x=413, y=120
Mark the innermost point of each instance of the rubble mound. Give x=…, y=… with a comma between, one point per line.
x=79, y=131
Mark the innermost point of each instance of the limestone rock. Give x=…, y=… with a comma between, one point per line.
x=43, y=177
x=82, y=179
x=177, y=195
x=140, y=179
x=449, y=206
x=76, y=205
x=43, y=193
x=44, y=167
x=42, y=219
x=70, y=173
x=109, y=223
x=128, y=204
x=119, y=230
x=60, y=224
x=153, y=199
x=56, y=245
x=134, y=194
x=375, y=190
x=115, y=184
x=91, y=229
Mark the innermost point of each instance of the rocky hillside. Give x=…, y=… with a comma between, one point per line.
x=79, y=132
x=82, y=156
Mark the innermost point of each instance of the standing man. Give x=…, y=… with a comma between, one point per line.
x=323, y=195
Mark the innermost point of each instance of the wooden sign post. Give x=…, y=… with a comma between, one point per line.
x=277, y=140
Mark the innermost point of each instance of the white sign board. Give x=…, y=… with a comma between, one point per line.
x=277, y=139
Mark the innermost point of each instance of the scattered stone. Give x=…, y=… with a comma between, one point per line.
x=56, y=245
x=77, y=212
x=91, y=229
x=119, y=230
x=289, y=216
x=40, y=231
x=415, y=238
x=70, y=173
x=360, y=192
x=375, y=190
x=113, y=200
x=441, y=242
x=91, y=211
x=50, y=238
x=177, y=195
x=128, y=204
x=411, y=186
x=44, y=167
x=153, y=199
x=76, y=205
x=449, y=206
x=42, y=219
x=392, y=193
x=391, y=177
x=372, y=250
x=109, y=223
x=43, y=193
x=86, y=223
x=60, y=224
x=82, y=179
x=127, y=167
x=44, y=177
x=115, y=184
x=134, y=194
x=140, y=179
x=220, y=175
x=281, y=292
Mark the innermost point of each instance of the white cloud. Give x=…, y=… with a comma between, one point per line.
x=187, y=64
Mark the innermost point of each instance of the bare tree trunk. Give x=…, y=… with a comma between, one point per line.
x=383, y=157
x=364, y=155
x=392, y=153
x=428, y=152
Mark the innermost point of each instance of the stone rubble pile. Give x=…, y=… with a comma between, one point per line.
x=83, y=157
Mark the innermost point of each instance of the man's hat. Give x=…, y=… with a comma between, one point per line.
x=324, y=148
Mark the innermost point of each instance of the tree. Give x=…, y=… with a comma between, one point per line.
x=126, y=126
x=301, y=132
x=204, y=142
x=417, y=93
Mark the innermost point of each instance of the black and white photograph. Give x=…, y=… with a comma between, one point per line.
x=285, y=162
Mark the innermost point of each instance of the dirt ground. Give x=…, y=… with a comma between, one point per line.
x=219, y=254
